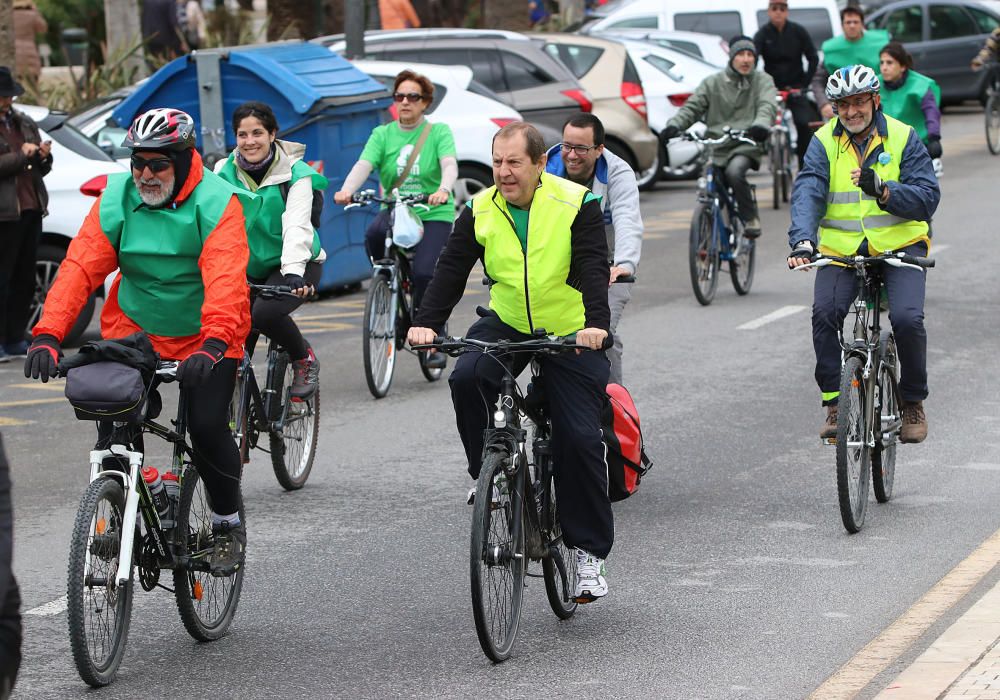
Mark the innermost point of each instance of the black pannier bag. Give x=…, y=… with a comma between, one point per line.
x=107, y=391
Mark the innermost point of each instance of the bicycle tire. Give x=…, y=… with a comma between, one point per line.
x=559, y=589
x=743, y=262
x=853, y=454
x=239, y=416
x=431, y=374
x=206, y=603
x=777, y=169
x=992, y=115
x=379, y=346
x=496, y=563
x=884, y=455
x=786, y=170
x=703, y=255
x=91, y=558
x=294, y=450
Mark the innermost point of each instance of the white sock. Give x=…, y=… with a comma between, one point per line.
x=233, y=519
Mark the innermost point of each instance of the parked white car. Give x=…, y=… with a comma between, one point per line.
x=79, y=174
x=472, y=111
x=710, y=48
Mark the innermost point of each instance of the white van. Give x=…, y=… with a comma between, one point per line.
x=727, y=18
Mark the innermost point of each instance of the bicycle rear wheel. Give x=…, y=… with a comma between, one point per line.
x=293, y=450
x=741, y=265
x=560, y=584
x=853, y=455
x=884, y=454
x=205, y=602
x=703, y=255
x=431, y=374
x=786, y=170
x=98, y=609
x=497, y=561
x=992, y=114
x=777, y=161
x=380, y=336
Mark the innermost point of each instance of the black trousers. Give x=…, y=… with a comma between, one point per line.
x=10, y=598
x=17, y=273
x=425, y=254
x=272, y=316
x=836, y=288
x=575, y=386
x=736, y=176
x=803, y=111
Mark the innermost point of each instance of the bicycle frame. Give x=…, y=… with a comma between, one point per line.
x=719, y=197
x=262, y=400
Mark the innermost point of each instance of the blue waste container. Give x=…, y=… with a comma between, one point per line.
x=319, y=99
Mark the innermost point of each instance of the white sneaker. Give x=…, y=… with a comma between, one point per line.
x=590, y=581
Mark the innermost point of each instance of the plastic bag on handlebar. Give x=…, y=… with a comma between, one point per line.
x=407, y=228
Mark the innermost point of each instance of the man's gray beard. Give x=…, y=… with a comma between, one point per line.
x=166, y=189
x=861, y=130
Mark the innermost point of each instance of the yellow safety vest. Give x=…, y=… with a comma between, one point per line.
x=530, y=289
x=853, y=216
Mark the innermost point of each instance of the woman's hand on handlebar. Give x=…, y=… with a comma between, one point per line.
x=438, y=197
x=592, y=338
x=342, y=197
x=420, y=336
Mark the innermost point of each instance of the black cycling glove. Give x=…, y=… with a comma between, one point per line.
x=870, y=183
x=802, y=249
x=759, y=133
x=934, y=146
x=43, y=358
x=670, y=132
x=295, y=282
x=196, y=369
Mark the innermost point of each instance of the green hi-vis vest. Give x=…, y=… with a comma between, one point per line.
x=839, y=52
x=265, y=236
x=904, y=102
x=158, y=249
x=853, y=216
x=531, y=290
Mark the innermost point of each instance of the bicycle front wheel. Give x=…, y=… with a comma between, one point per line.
x=380, y=336
x=777, y=160
x=497, y=560
x=239, y=415
x=98, y=609
x=703, y=254
x=853, y=454
x=293, y=449
x=741, y=265
x=884, y=454
x=560, y=581
x=992, y=113
x=205, y=602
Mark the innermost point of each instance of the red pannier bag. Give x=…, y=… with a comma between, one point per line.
x=627, y=459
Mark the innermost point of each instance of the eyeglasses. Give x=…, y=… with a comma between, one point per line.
x=579, y=150
x=857, y=103
x=155, y=165
x=411, y=96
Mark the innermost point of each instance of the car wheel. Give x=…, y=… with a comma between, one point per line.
x=647, y=179
x=46, y=266
x=472, y=179
x=623, y=152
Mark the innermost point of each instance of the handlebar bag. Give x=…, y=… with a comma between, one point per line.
x=626, y=456
x=107, y=391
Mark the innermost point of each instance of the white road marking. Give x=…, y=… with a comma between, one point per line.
x=773, y=316
x=52, y=608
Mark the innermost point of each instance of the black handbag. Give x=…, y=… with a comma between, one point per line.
x=107, y=391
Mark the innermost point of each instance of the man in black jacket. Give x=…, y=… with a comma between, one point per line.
x=24, y=161
x=782, y=45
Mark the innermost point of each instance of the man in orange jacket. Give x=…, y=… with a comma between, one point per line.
x=178, y=234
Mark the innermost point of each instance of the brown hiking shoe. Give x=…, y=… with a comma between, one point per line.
x=914, y=422
x=829, y=429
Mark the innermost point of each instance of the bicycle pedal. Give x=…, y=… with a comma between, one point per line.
x=829, y=441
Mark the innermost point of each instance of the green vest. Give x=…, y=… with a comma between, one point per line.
x=839, y=52
x=853, y=216
x=531, y=290
x=265, y=236
x=158, y=249
x=903, y=103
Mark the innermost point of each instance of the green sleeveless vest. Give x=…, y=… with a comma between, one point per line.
x=265, y=236
x=903, y=103
x=531, y=290
x=851, y=215
x=158, y=249
x=839, y=52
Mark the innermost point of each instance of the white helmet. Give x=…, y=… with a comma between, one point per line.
x=851, y=80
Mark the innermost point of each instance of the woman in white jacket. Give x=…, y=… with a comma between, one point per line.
x=284, y=242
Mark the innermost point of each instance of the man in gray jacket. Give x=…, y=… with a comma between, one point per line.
x=582, y=158
x=739, y=97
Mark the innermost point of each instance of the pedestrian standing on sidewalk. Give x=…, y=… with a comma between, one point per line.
x=28, y=24
x=24, y=160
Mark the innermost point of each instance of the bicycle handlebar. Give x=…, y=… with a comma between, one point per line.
x=369, y=196
x=728, y=135
x=859, y=261
x=274, y=291
x=549, y=345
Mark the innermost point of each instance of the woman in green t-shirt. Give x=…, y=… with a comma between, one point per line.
x=911, y=97
x=433, y=173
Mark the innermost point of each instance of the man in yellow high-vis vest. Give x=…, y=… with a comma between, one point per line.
x=541, y=240
x=867, y=185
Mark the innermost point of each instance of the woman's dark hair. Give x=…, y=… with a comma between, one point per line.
x=426, y=86
x=898, y=53
x=255, y=109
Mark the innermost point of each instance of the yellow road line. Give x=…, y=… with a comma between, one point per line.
x=325, y=327
x=895, y=639
x=29, y=402
x=52, y=385
x=321, y=317
x=8, y=422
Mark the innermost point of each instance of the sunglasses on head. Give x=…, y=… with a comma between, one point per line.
x=411, y=96
x=156, y=165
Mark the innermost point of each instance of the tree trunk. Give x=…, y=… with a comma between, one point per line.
x=121, y=20
x=294, y=19
x=7, y=34
x=508, y=14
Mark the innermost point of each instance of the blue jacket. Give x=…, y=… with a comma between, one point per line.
x=914, y=197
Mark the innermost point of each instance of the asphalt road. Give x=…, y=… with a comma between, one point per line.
x=732, y=575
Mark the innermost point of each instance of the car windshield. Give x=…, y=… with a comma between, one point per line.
x=56, y=125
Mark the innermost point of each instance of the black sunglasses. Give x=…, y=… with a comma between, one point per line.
x=155, y=165
x=411, y=96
